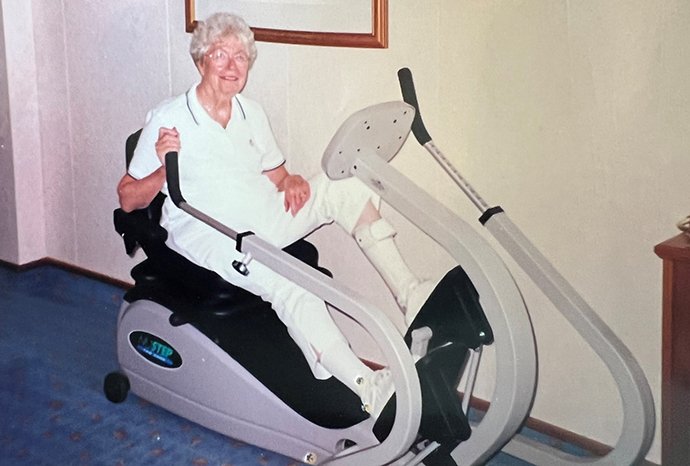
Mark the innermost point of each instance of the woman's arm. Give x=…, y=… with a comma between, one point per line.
x=296, y=188
x=136, y=194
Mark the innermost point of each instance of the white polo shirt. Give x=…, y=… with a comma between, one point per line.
x=220, y=169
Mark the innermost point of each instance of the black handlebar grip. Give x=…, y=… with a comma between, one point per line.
x=410, y=97
x=172, y=174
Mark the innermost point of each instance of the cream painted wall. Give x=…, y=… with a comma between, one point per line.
x=574, y=116
x=571, y=115
x=25, y=176
x=8, y=211
x=55, y=129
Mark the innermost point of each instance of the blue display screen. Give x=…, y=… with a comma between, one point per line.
x=155, y=349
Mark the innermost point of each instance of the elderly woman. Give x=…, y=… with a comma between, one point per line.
x=232, y=169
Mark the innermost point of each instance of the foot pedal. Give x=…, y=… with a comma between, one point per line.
x=420, y=342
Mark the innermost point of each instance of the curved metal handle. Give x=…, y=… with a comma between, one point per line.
x=410, y=97
x=172, y=174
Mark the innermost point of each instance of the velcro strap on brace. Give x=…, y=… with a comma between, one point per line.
x=369, y=235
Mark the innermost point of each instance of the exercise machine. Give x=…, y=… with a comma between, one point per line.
x=217, y=355
x=205, y=350
x=353, y=152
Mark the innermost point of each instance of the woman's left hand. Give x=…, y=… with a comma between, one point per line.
x=297, y=193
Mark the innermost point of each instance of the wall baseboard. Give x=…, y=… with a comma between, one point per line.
x=68, y=267
x=555, y=432
x=558, y=433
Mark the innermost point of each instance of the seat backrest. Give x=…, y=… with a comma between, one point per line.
x=140, y=228
x=130, y=145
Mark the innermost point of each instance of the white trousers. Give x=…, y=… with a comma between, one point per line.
x=304, y=314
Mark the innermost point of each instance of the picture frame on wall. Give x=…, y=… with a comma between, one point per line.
x=337, y=23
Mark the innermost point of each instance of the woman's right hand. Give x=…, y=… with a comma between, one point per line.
x=168, y=141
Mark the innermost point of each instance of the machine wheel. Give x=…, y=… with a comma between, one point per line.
x=116, y=387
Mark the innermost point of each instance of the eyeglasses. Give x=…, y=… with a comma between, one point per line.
x=221, y=57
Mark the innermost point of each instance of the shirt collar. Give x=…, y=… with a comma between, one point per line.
x=197, y=110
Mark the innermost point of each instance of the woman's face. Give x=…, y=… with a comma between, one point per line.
x=224, y=68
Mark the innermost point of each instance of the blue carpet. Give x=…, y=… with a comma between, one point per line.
x=57, y=342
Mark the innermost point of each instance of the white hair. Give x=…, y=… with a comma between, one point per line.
x=217, y=27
